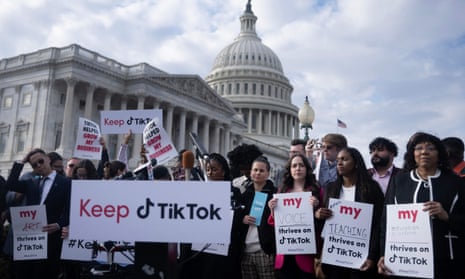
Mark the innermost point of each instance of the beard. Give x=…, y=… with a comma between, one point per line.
x=380, y=161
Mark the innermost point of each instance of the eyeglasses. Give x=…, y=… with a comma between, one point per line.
x=327, y=147
x=36, y=164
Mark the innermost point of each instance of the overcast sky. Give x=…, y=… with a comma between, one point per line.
x=386, y=67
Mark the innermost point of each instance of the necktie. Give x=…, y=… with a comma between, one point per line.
x=41, y=186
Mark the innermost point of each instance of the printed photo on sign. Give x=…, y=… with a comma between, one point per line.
x=87, y=141
x=157, y=143
x=121, y=121
x=347, y=233
x=161, y=212
x=294, y=226
x=409, y=245
x=29, y=242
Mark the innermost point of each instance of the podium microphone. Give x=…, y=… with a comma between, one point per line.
x=187, y=162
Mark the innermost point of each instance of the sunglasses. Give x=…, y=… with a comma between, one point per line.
x=327, y=147
x=36, y=164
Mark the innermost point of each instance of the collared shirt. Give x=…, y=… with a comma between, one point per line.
x=48, y=185
x=383, y=180
x=328, y=173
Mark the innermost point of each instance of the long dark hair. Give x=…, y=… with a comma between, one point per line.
x=223, y=162
x=421, y=137
x=364, y=181
x=310, y=180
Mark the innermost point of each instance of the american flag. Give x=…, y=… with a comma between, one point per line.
x=341, y=124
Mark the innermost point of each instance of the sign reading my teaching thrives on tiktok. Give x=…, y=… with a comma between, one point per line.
x=347, y=233
x=121, y=121
x=409, y=246
x=160, y=211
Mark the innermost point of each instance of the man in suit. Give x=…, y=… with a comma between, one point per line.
x=53, y=190
x=383, y=151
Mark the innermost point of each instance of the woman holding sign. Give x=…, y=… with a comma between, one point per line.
x=428, y=180
x=354, y=184
x=256, y=237
x=298, y=177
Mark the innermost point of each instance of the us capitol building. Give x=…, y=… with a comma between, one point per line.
x=246, y=98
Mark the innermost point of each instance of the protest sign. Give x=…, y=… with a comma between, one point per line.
x=294, y=226
x=87, y=141
x=29, y=242
x=258, y=205
x=214, y=248
x=409, y=245
x=121, y=121
x=347, y=233
x=161, y=211
x=158, y=144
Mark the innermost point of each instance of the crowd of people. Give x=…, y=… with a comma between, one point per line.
x=433, y=174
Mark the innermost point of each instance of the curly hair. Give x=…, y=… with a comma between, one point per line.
x=223, y=162
x=421, y=137
x=241, y=157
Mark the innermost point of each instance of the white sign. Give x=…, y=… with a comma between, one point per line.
x=409, y=246
x=161, y=211
x=29, y=242
x=81, y=250
x=121, y=121
x=214, y=248
x=294, y=226
x=87, y=141
x=157, y=143
x=347, y=233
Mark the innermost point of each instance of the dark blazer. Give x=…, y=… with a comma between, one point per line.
x=57, y=203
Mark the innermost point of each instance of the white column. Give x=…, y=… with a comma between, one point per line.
x=195, y=124
x=260, y=121
x=89, y=101
x=169, y=120
x=107, y=106
x=270, y=118
x=297, y=127
x=65, y=146
x=206, y=134
x=278, y=123
x=249, y=124
x=124, y=106
x=216, y=137
x=137, y=136
x=182, y=130
x=285, y=131
x=156, y=104
x=227, y=139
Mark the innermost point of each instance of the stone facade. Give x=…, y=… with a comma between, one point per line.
x=43, y=94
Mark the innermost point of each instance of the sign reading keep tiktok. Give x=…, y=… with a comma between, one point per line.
x=160, y=211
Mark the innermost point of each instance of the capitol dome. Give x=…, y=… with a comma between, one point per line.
x=250, y=75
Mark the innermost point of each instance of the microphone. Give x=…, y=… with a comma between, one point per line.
x=187, y=162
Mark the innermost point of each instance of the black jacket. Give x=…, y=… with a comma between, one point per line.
x=265, y=231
